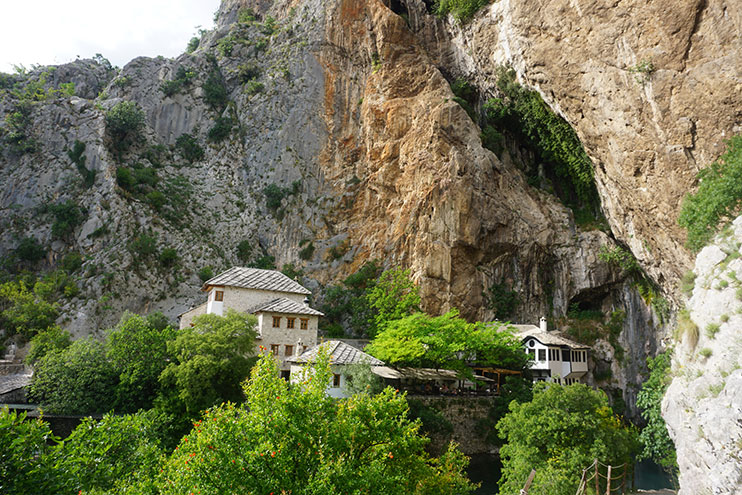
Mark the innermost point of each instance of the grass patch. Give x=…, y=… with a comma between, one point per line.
x=686, y=328
x=712, y=329
x=706, y=352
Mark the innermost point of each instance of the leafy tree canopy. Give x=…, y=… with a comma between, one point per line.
x=26, y=311
x=393, y=296
x=297, y=440
x=559, y=433
x=50, y=340
x=448, y=342
x=209, y=362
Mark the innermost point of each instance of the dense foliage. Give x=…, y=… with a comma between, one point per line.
x=297, y=440
x=27, y=311
x=524, y=113
x=462, y=10
x=656, y=442
x=447, y=342
x=393, y=296
x=559, y=433
x=717, y=199
x=124, y=122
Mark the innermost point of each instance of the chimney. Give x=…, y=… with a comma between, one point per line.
x=542, y=324
x=297, y=350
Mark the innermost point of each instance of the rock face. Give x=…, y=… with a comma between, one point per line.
x=653, y=91
x=703, y=405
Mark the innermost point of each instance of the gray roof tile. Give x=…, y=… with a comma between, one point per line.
x=255, y=278
x=546, y=338
x=283, y=305
x=340, y=353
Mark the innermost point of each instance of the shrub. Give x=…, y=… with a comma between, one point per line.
x=181, y=80
x=206, y=273
x=265, y=262
x=462, y=10
x=687, y=283
x=492, y=139
x=274, y=196
x=706, y=352
x=248, y=72
x=156, y=200
x=51, y=339
x=215, y=91
x=193, y=44
x=269, y=26
x=221, y=129
x=307, y=251
x=620, y=257
x=225, y=46
x=657, y=444
x=143, y=246
x=168, y=257
x=246, y=15
x=125, y=179
x=77, y=156
x=717, y=199
x=67, y=216
x=254, y=87
x=712, y=329
x=189, y=148
x=244, y=251
x=29, y=249
x=72, y=262
x=124, y=122
x=502, y=300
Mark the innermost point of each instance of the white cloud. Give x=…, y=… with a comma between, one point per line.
x=52, y=32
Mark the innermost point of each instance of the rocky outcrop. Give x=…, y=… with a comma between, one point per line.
x=653, y=91
x=703, y=405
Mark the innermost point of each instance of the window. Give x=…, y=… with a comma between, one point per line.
x=275, y=348
x=542, y=354
x=219, y=295
x=303, y=323
x=285, y=374
x=290, y=322
x=565, y=355
x=276, y=322
x=304, y=348
x=335, y=381
x=288, y=350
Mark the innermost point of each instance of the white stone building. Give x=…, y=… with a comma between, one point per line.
x=287, y=326
x=555, y=357
x=341, y=356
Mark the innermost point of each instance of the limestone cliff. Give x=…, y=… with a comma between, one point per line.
x=703, y=405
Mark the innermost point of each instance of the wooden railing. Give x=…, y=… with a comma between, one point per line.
x=614, y=481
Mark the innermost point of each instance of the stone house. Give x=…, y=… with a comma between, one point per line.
x=342, y=355
x=555, y=357
x=286, y=326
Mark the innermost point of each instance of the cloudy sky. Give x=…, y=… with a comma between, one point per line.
x=53, y=31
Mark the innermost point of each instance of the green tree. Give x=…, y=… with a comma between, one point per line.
x=77, y=380
x=124, y=123
x=51, y=339
x=346, y=305
x=29, y=249
x=393, y=296
x=448, y=342
x=718, y=198
x=559, y=433
x=297, y=440
x=24, y=311
x=137, y=349
x=111, y=454
x=656, y=442
x=25, y=455
x=208, y=363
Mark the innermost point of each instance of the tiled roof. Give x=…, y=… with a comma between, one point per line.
x=286, y=306
x=255, y=278
x=8, y=383
x=546, y=338
x=340, y=353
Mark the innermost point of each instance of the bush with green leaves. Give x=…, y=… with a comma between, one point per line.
x=393, y=296
x=307, y=251
x=462, y=10
x=189, y=148
x=264, y=262
x=718, y=199
x=143, y=246
x=221, y=129
x=205, y=273
x=656, y=442
x=345, y=306
x=193, y=43
x=297, y=440
x=182, y=79
x=244, y=250
x=168, y=257
x=248, y=72
x=18, y=134
x=502, y=300
x=214, y=89
x=124, y=123
x=29, y=249
x=559, y=433
x=67, y=216
x=72, y=262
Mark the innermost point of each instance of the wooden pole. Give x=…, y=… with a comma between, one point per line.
x=623, y=481
x=597, y=478
x=524, y=491
x=608, y=481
